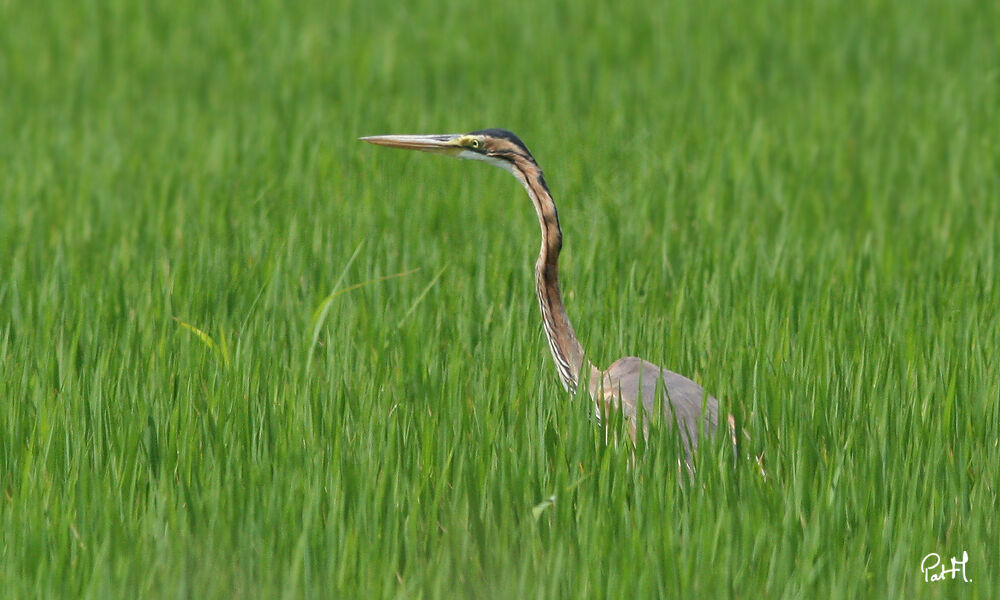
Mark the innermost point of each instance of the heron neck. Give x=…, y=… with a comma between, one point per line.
x=567, y=353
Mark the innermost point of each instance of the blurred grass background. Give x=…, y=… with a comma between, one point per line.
x=794, y=203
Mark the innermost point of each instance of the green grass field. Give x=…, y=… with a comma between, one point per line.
x=795, y=204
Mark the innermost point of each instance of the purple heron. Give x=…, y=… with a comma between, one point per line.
x=630, y=382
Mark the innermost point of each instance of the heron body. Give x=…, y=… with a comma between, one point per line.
x=630, y=384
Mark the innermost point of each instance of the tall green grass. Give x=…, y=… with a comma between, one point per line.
x=798, y=205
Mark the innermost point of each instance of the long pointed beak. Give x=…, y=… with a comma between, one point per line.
x=437, y=144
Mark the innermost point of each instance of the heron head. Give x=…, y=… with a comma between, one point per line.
x=498, y=147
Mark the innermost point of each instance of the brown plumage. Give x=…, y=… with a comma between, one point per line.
x=629, y=383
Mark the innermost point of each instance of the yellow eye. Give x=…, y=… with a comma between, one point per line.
x=474, y=143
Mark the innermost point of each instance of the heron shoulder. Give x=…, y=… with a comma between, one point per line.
x=633, y=381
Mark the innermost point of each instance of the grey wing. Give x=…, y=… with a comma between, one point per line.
x=631, y=380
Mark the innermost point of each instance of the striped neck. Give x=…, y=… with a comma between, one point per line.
x=567, y=353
